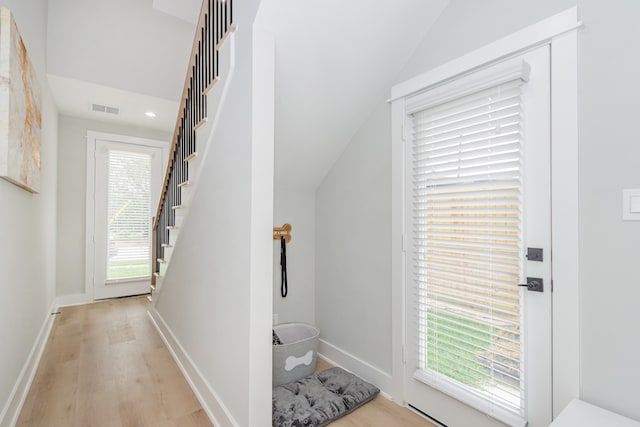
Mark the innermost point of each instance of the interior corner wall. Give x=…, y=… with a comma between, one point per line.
x=72, y=189
x=28, y=233
x=608, y=151
x=353, y=246
x=298, y=209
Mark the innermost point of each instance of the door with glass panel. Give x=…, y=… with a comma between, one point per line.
x=127, y=188
x=478, y=343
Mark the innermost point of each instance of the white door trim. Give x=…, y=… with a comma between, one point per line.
x=560, y=32
x=92, y=137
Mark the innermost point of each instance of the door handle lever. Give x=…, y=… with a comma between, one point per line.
x=534, y=284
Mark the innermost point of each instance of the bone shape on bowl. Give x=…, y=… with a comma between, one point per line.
x=291, y=362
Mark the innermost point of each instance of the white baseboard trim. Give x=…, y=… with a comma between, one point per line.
x=11, y=411
x=74, y=299
x=209, y=399
x=338, y=357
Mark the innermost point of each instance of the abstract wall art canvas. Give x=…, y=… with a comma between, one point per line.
x=20, y=114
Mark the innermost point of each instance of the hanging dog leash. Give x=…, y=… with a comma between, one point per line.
x=283, y=264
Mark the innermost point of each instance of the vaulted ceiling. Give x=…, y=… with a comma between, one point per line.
x=335, y=61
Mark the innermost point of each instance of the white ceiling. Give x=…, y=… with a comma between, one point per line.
x=139, y=52
x=124, y=44
x=335, y=62
x=75, y=97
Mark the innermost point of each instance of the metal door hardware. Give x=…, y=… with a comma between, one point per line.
x=534, y=254
x=534, y=284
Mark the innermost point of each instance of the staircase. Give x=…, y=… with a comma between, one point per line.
x=209, y=70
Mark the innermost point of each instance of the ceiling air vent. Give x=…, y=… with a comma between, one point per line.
x=105, y=109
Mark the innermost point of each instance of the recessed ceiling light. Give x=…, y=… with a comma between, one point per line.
x=150, y=114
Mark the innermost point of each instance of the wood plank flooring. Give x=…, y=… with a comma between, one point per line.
x=379, y=412
x=105, y=365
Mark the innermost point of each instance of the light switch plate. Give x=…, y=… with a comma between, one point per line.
x=631, y=205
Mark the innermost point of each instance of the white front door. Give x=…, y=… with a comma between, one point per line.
x=478, y=346
x=128, y=177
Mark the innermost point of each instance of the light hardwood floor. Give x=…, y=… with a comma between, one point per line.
x=105, y=365
x=380, y=412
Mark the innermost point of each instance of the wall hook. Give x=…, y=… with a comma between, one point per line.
x=284, y=231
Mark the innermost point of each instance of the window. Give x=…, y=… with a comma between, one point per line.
x=129, y=213
x=466, y=162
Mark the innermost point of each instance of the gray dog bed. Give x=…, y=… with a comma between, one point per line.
x=318, y=399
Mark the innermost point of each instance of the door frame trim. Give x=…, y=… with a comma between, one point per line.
x=92, y=137
x=560, y=33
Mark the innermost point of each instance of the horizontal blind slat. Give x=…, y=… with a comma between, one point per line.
x=508, y=346
x=487, y=122
x=462, y=343
x=477, y=98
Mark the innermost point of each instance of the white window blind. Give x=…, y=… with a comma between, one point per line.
x=129, y=205
x=467, y=227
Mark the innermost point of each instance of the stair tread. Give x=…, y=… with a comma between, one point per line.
x=211, y=85
x=200, y=124
x=191, y=156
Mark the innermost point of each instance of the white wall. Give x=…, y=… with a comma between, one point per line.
x=207, y=294
x=609, y=252
x=72, y=184
x=28, y=233
x=298, y=209
x=353, y=253
x=609, y=149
